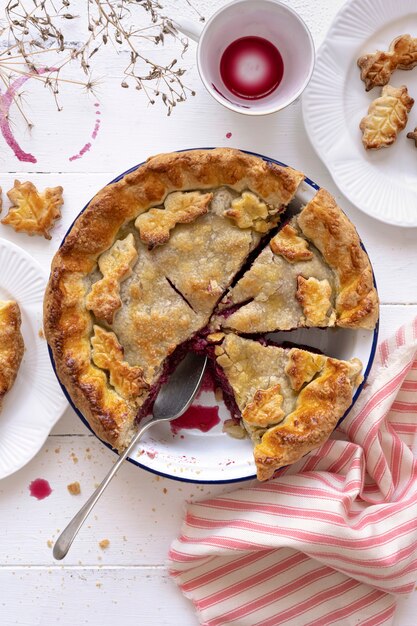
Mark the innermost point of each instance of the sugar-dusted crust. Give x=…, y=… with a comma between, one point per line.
x=11, y=345
x=290, y=400
x=68, y=323
x=328, y=228
x=180, y=208
x=319, y=407
x=313, y=273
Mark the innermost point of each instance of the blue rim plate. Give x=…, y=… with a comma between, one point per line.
x=213, y=457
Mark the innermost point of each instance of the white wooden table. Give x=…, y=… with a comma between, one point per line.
x=141, y=513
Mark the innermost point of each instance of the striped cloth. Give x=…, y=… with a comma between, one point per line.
x=333, y=537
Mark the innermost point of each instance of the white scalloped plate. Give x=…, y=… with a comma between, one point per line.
x=214, y=457
x=382, y=183
x=35, y=403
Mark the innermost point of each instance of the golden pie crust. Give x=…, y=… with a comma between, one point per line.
x=314, y=272
x=161, y=309
x=141, y=273
x=290, y=399
x=11, y=345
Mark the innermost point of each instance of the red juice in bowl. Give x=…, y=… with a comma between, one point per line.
x=251, y=67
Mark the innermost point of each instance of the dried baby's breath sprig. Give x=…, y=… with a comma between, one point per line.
x=36, y=40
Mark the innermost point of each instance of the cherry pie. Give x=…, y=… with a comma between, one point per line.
x=187, y=253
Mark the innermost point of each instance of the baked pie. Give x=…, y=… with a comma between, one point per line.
x=289, y=399
x=152, y=266
x=11, y=345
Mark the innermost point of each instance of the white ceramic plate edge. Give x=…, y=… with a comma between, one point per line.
x=24, y=431
x=357, y=176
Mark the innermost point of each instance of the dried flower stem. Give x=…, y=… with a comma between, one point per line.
x=37, y=28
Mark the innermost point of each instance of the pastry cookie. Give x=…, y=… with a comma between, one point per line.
x=376, y=68
x=387, y=116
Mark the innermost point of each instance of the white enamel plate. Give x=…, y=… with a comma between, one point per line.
x=35, y=403
x=214, y=457
x=382, y=183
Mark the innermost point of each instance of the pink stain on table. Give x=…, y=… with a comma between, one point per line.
x=40, y=488
x=228, y=135
x=86, y=147
x=6, y=101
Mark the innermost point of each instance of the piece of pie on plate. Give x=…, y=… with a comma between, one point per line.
x=313, y=272
x=288, y=400
x=11, y=345
x=139, y=278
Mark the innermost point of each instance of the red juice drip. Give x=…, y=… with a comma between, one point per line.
x=40, y=488
x=202, y=417
x=251, y=67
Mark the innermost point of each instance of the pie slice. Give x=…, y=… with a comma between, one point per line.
x=313, y=273
x=142, y=269
x=288, y=400
x=201, y=262
x=11, y=345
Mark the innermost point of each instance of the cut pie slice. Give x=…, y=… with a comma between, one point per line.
x=289, y=400
x=11, y=345
x=313, y=273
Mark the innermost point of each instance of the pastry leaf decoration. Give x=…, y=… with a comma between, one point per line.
x=107, y=354
x=116, y=265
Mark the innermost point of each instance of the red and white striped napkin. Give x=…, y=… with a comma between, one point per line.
x=332, y=538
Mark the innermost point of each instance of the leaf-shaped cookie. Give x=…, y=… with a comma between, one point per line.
x=33, y=212
x=376, y=69
x=387, y=116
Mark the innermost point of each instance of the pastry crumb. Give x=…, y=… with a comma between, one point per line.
x=104, y=544
x=124, y=538
x=40, y=334
x=74, y=457
x=49, y=543
x=74, y=488
x=98, y=585
x=165, y=490
x=57, y=450
x=218, y=394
